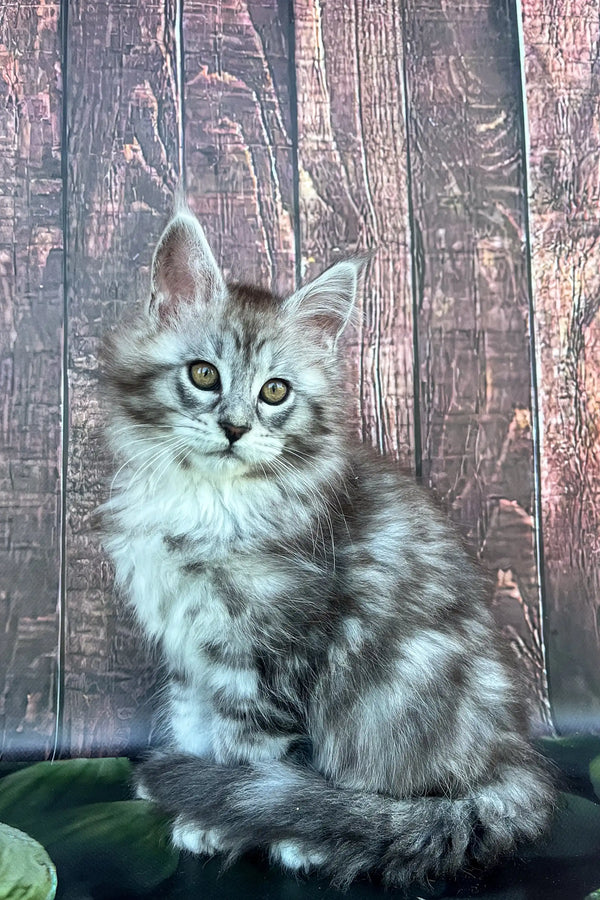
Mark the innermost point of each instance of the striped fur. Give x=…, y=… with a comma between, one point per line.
x=338, y=694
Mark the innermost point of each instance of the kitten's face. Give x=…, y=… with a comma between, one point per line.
x=230, y=391
x=227, y=379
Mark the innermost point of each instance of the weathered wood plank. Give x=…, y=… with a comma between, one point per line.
x=31, y=333
x=238, y=150
x=123, y=155
x=467, y=182
x=561, y=41
x=353, y=194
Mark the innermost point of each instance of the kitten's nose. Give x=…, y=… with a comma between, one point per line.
x=234, y=432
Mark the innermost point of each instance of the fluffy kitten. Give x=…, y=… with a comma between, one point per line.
x=337, y=692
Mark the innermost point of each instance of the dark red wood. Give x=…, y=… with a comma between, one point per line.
x=561, y=41
x=31, y=336
x=353, y=195
x=238, y=147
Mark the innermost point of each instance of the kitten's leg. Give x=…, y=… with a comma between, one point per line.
x=190, y=718
x=242, y=742
x=239, y=741
x=247, y=726
x=190, y=729
x=188, y=721
x=237, y=725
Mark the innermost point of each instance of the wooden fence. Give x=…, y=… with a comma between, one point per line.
x=460, y=139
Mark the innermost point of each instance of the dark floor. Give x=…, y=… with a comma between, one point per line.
x=108, y=847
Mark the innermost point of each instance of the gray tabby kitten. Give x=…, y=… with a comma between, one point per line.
x=337, y=694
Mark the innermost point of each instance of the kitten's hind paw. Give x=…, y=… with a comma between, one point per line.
x=200, y=841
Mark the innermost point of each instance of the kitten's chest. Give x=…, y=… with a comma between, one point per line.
x=200, y=571
x=189, y=599
x=194, y=582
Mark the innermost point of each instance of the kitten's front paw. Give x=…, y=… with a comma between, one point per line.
x=200, y=841
x=292, y=856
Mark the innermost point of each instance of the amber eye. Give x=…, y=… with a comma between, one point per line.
x=274, y=391
x=204, y=376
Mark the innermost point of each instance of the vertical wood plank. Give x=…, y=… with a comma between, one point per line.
x=123, y=121
x=239, y=164
x=31, y=335
x=561, y=40
x=353, y=194
x=467, y=182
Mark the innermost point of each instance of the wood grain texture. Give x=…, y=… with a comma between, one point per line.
x=353, y=195
x=562, y=64
x=239, y=163
x=31, y=334
x=472, y=298
x=123, y=158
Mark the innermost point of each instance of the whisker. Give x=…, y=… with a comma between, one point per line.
x=155, y=477
x=127, y=463
x=149, y=463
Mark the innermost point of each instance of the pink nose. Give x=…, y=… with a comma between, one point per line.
x=233, y=432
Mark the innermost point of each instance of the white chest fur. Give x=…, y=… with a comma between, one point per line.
x=174, y=549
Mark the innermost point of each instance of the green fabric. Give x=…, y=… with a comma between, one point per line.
x=100, y=840
x=106, y=846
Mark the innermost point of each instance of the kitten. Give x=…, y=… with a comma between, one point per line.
x=337, y=694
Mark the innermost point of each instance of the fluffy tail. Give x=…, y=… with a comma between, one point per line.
x=347, y=831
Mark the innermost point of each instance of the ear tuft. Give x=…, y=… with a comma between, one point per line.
x=184, y=270
x=328, y=301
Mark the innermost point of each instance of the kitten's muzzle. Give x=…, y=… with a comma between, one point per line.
x=234, y=432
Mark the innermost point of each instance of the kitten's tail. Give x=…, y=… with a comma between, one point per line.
x=304, y=819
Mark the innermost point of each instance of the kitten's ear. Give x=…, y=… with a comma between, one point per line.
x=329, y=301
x=184, y=270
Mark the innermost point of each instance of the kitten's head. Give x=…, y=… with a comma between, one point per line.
x=225, y=378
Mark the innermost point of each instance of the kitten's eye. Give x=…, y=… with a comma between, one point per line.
x=204, y=376
x=274, y=391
